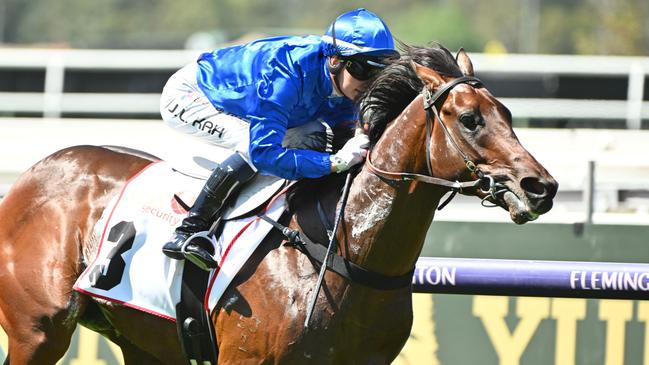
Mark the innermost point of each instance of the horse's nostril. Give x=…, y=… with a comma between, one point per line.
x=534, y=186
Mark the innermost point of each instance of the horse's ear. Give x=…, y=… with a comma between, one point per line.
x=464, y=62
x=427, y=75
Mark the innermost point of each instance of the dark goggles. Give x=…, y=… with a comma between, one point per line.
x=362, y=70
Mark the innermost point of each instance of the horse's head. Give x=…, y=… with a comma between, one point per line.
x=468, y=126
x=480, y=126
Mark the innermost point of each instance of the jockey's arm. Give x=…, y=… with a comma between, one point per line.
x=268, y=124
x=269, y=157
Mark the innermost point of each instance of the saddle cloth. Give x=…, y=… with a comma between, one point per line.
x=129, y=267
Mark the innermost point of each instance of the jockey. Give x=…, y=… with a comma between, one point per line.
x=247, y=97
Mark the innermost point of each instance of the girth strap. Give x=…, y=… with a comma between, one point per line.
x=339, y=264
x=350, y=270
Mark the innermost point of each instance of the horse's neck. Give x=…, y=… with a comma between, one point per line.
x=385, y=225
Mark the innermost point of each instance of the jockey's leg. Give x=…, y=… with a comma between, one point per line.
x=225, y=181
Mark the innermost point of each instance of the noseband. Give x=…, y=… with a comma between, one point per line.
x=485, y=182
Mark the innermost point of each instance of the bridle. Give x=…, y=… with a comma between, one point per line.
x=484, y=182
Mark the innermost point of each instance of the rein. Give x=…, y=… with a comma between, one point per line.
x=485, y=182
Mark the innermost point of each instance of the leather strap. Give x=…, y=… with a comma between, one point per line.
x=431, y=99
x=405, y=176
x=339, y=264
x=350, y=270
x=193, y=322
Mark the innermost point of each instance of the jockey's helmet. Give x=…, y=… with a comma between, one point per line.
x=358, y=33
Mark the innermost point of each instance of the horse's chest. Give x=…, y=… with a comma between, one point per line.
x=376, y=209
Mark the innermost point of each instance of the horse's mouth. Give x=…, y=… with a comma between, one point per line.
x=518, y=210
x=525, y=198
x=504, y=196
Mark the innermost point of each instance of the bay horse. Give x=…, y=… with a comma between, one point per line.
x=465, y=134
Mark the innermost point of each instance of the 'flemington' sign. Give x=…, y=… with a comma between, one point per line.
x=532, y=278
x=609, y=280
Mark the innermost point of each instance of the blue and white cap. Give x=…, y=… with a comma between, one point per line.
x=358, y=32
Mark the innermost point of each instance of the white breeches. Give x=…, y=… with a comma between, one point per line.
x=185, y=108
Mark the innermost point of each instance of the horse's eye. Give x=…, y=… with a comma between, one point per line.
x=470, y=120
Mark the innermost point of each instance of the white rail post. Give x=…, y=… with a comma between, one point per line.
x=589, y=193
x=54, y=76
x=634, y=96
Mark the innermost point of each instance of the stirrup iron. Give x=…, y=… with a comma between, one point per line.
x=197, y=253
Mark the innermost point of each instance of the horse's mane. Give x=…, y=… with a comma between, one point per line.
x=397, y=85
x=387, y=95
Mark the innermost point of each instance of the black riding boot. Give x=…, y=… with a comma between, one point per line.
x=225, y=180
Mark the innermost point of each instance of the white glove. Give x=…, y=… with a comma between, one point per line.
x=352, y=153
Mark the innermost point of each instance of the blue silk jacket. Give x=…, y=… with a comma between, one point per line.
x=276, y=84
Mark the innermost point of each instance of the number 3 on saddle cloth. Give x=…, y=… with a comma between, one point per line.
x=128, y=266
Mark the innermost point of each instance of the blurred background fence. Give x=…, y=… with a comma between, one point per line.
x=546, y=90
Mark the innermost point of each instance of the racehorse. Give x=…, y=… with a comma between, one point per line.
x=433, y=127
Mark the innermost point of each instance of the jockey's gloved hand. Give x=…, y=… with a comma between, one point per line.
x=352, y=153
